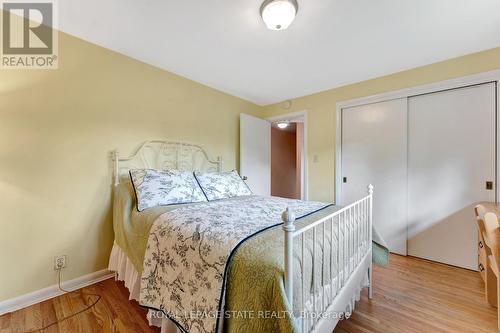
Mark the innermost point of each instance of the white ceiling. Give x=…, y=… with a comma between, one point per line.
x=225, y=45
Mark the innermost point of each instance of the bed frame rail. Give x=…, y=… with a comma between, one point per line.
x=347, y=235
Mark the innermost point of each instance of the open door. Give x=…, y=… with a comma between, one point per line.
x=255, y=153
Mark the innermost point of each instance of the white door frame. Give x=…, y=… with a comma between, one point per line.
x=305, y=173
x=470, y=80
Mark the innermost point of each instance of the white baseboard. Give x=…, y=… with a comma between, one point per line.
x=41, y=295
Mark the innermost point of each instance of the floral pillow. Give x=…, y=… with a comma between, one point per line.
x=222, y=185
x=164, y=187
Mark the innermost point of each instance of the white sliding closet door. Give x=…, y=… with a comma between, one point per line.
x=374, y=151
x=451, y=156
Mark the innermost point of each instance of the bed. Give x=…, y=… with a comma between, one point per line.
x=258, y=264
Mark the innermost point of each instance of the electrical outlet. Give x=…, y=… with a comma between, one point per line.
x=59, y=262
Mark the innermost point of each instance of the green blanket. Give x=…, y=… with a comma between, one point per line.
x=380, y=252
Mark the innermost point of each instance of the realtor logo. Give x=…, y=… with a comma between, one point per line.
x=29, y=36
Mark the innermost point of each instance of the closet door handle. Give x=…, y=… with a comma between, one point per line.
x=481, y=267
x=481, y=244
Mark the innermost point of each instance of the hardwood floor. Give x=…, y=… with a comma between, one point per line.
x=410, y=295
x=113, y=313
x=415, y=295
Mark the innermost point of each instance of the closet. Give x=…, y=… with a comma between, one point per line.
x=431, y=158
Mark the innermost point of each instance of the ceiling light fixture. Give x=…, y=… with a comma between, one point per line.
x=282, y=124
x=278, y=14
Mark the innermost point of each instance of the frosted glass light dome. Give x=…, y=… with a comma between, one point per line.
x=278, y=14
x=283, y=124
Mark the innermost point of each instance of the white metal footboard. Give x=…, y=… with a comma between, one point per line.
x=340, y=258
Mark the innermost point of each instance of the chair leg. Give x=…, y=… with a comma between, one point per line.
x=498, y=307
x=491, y=286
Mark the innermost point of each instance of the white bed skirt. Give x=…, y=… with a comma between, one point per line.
x=125, y=271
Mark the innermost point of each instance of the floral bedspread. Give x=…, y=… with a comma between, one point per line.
x=189, y=250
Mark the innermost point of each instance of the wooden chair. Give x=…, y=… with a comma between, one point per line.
x=492, y=243
x=484, y=252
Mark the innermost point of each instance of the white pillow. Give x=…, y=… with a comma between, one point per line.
x=222, y=185
x=164, y=187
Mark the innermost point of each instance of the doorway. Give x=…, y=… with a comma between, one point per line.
x=286, y=160
x=288, y=157
x=273, y=155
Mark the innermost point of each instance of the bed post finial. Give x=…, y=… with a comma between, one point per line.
x=288, y=218
x=115, y=167
x=219, y=163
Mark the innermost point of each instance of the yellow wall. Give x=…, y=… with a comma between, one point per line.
x=322, y=110
x=57, y=129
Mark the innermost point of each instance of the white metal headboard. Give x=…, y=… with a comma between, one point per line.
x=159, y=154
